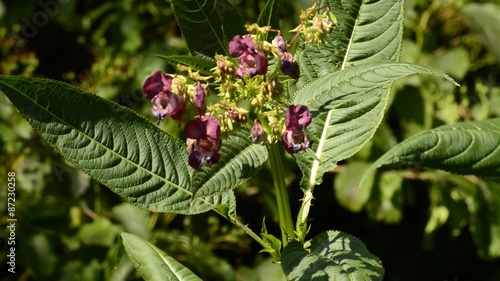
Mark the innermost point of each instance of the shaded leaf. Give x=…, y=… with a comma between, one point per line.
x=346, y=185
x=196, y=63
x=152, y=263
x=207, y=25
x=269, y=16
x=484, y=19
x=333, y=256
x=469, y=148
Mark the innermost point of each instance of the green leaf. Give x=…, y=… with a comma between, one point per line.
x=269, y=16
x=333, y=256
x=154, y=264
x=346, y=185
x=207, y=25
x=469, y=148
x=336, y=89
x=367, y=31
x=129, y=154
x=197, y=63
x=356, y=99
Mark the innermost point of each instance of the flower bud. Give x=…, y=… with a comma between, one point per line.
x=289, y=66
x=258, y=133
x=279, y=44
x=199, y=98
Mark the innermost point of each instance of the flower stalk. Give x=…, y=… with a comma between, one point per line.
x=285, y=215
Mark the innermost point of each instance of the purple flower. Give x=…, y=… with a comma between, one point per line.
x=289, y=66
x=199, y=98
x=295, y=138
x=203, y=140
x=258, y=133
x=156, y=83
x=297, y=116
x=168, y=104
x=252, y=63
x=239, y=44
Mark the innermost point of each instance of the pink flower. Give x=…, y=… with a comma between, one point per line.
x=203, y=140
x=279, y=44
x=297, y=116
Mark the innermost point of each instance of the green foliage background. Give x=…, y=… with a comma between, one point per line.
x=423, y=225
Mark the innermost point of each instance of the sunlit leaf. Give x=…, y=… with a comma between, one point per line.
x=469, y=148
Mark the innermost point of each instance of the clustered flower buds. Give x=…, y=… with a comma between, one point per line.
x=315, y=26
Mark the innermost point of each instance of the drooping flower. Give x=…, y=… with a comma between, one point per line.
x=203, y=140
x=156, y=83
x=200, y=98
x=168, y=104
x=252, y=63
x=289, y=66
x=295, y=138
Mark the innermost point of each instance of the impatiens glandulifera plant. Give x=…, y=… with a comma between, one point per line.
x=319, y=96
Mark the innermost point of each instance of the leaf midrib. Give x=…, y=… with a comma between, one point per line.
x=99, y=143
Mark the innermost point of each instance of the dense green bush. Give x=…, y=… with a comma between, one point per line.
x=423, y=224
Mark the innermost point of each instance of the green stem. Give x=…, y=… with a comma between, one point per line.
x=285, y=215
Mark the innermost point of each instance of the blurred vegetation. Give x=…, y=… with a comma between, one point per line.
x=424, y=225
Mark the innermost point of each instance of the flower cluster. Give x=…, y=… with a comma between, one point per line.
x=249, y=81
x=203, y=133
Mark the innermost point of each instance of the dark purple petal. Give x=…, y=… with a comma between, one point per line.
x=195, y=160
x=289, y=66
x=195, y=129
x=297, y=116
x=156, y=83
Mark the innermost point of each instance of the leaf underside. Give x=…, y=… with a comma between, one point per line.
x=333, y=256
x=469, y=148
x=129, y=154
